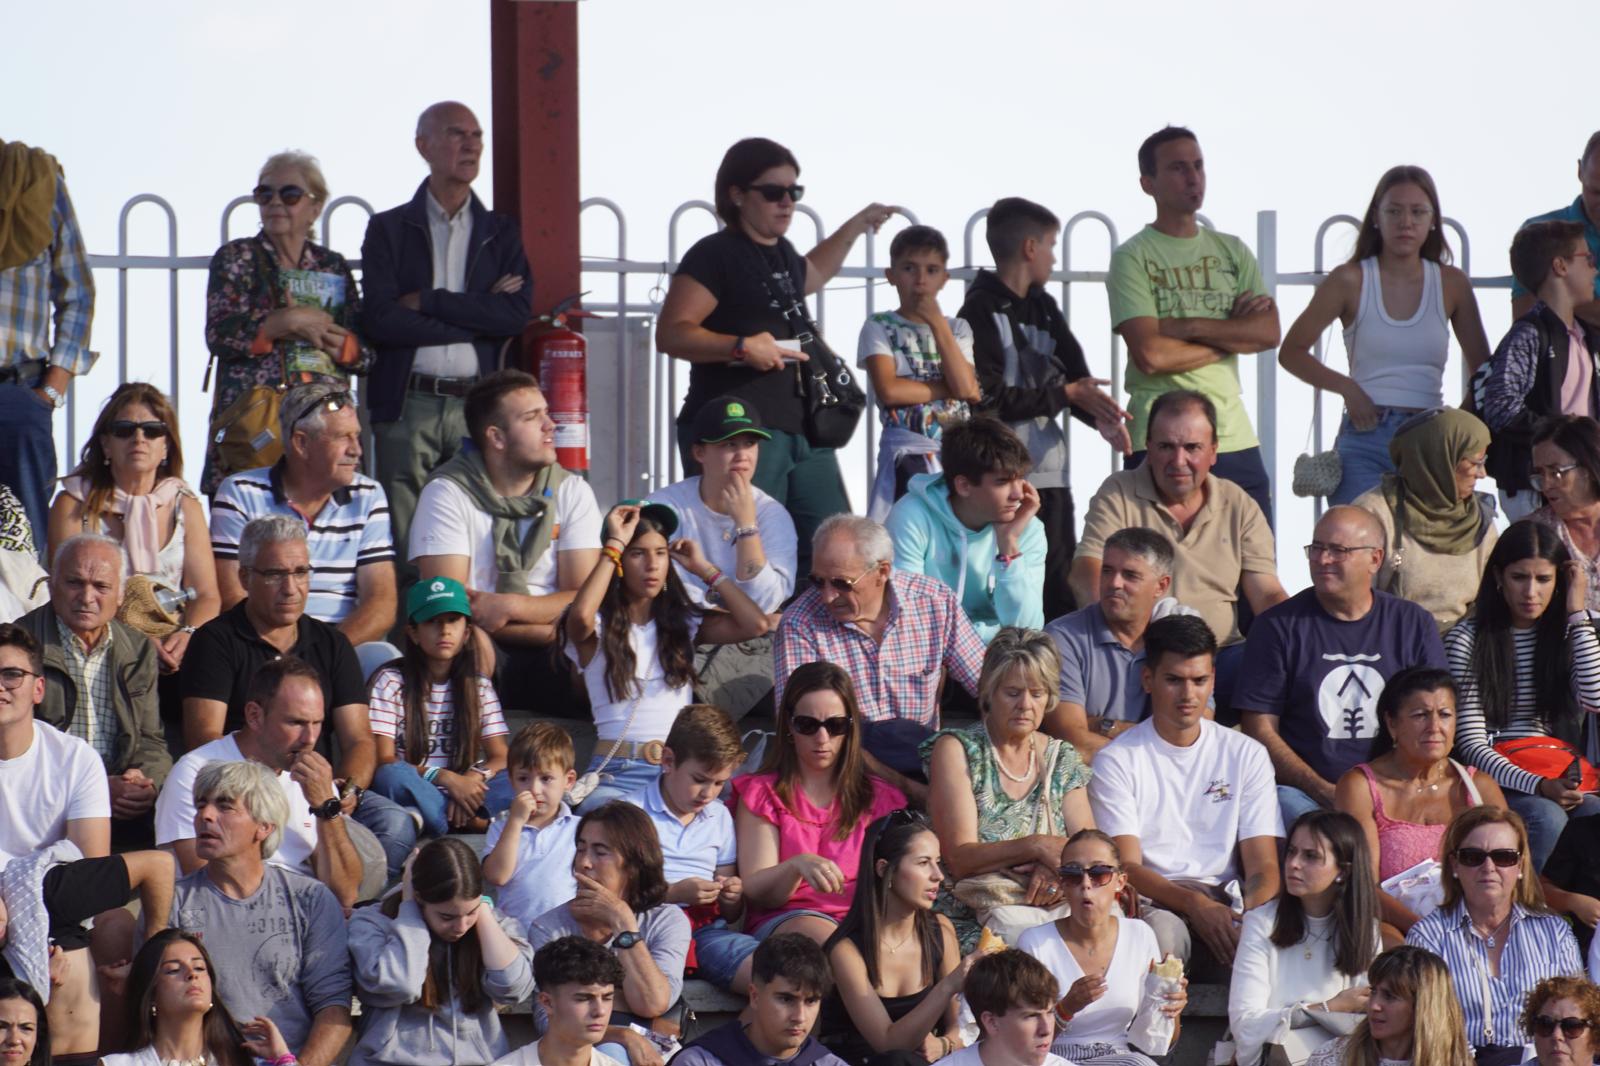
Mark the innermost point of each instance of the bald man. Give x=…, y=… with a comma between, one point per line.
x=1317, y=662
x=445, y=285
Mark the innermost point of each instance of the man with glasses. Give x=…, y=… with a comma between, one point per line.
x=319, y=482
x=447, y=288
x=1319, y=661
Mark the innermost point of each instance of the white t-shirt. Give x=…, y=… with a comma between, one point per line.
x=387, y=705
x=528, y=1055
x=714, y=533
x=175, y=806
x=659, y=703
x=970, y=1056
x=59, y=779
x=447, y=523
x=1106, y=1020
x=1189, y=807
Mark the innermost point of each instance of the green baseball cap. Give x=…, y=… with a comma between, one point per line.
x=725, y=417
x=662, y=514
x=440, y=595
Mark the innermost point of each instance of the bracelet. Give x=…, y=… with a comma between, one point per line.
x=1063, y=1020
x=944, y=1046
x=746, y=531
x=615, y=556
x=431, y=774
x=716, y=575
x=737, y=351
x=619, y=540
x=1007, y=560
x=284, y=1060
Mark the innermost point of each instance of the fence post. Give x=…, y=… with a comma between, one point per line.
x=1267, y=362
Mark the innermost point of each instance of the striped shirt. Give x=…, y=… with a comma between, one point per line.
x=387, y=704
x=1474, y=740
x=55, y=287
x=94, y=719
x=1536, y=946
x=350, y=531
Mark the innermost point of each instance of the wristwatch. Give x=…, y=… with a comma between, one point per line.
x=57, y=397
x=329, y=809
x=1106, y=726
x=627, y=940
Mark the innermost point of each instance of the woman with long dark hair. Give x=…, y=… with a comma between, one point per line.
x=632, y=629
x=1527, y=668
x=24, y=1026
x=1566, y=471
x=1397, y=296
x=1412, y=1018
x=1304, y=956
x=800, y=821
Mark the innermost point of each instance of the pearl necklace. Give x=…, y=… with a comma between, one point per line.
x=1033, y=759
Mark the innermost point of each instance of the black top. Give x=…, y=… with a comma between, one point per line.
x=1572, y=867
x=839, y=1028
x=73, y=893
x=727, y=264
x=225, y=653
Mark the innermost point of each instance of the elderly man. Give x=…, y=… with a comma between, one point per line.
x=446, y=287
x=896, y=635
x=346, y=516
x=1223, y=545
x=299, y=975
x=1319, y=661
x=268, y=624
x=100, y=678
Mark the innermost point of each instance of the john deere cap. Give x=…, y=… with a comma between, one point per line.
x=725, y=417
x=662, y=514
x=441, y=595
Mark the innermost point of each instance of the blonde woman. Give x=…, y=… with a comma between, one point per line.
x=1413, y=1018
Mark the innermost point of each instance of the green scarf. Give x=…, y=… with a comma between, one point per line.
x=1423, y=488
x=514, y=556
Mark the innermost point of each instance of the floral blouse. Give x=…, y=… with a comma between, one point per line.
x=241, y=292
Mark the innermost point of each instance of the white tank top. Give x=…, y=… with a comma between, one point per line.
x=1400, y=364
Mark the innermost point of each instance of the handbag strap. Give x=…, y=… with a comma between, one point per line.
x=622, y=738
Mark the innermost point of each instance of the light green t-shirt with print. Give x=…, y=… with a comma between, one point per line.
x=1157, y=276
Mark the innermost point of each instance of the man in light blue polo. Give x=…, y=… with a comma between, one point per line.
x=1585, y=209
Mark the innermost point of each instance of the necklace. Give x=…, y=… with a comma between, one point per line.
x=1312, y=939
x=1033, y=758
x=1489, y=939
x=903, y=941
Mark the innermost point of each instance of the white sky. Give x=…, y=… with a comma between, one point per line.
x=938, y=105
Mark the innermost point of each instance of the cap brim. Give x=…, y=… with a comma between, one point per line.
x=664, y=516
x=753, y=431
x=434, y=610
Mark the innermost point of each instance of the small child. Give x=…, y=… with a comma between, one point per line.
x=528, y=851
x=578, y=981
x=436, y=721
x=698, y=845
x=919, y=362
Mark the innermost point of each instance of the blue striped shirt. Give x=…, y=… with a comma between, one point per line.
x=55, y=286
x=1536, y=946
x=350, y=531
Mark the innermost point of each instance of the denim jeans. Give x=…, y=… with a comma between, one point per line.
x=391, y=824
x=399, y=781
x=1292, y=803
x=28, y=461
x=1545, y=820
x=621, y=777
x=1364, y=454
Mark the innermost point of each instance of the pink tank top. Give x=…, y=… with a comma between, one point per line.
x=1401, y=845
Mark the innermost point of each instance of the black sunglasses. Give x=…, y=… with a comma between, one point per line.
x=1099, y=874
x=773, y=193
x=1571, y=1028
x=334, y=401
x=1501, y=857
x=122, y=429
x=807, y=726
x=289, y=194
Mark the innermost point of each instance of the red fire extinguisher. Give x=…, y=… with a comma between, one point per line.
x=560, y=358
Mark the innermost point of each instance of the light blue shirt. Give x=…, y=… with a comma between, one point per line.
x=693, y=850
x=543, y=878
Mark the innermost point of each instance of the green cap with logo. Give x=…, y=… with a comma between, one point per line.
x=725, y=417
x=436, y=596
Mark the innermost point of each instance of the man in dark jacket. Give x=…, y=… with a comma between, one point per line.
x=447, y=288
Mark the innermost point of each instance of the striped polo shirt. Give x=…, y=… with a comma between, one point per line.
x=351, y=530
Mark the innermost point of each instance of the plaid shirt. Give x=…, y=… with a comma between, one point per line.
x=94, y=719
x=899, y=676
x=58, y=280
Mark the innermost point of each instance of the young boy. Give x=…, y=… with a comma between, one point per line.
x=789, y=979
x=528, y=851
x=919, y=362
x=1545, y=365
x=578, y=981
x=702, y=751
x=973, y=527
x=1030, y=367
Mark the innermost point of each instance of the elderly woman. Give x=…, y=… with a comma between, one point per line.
x=730, y=314
x=1006, y=797
x=1566, y=470
x=129, y=486
x=1563, y=1014
x=1412, y=1017
x=1437, y=529
x=1493, y=930
x=280, y=309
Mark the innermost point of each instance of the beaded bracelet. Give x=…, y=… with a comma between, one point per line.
x=615, y=556
x=284, y=1060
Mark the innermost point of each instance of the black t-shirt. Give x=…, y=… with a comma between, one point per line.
x=73, y=893
x=225, y=653
x=727, y=263
x=1572, y=867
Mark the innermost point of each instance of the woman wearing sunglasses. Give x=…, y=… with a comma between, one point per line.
x=1098, y=956
x=1563, y=1014
x=1494, y=931
x=1303, y=958
x=801, y=819
x=724, y=315
x=279, y=307
x=1412, y=1017
x=129, y=486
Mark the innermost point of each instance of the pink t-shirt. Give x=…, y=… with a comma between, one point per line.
x=1580, y=373
x=805, y=828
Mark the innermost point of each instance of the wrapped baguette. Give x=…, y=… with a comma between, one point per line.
x=1152, y=1031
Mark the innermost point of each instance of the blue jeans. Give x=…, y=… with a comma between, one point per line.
x=720, y=951
x=621, y=777
x=390, y=823
x=1545, y=820
x=1292, y=803
x=1244, y=468
x=399, y=781
x=28, y=461
x=1364, y=454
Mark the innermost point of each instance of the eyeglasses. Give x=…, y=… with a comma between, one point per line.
x=122, y=429
x=1587, y=257
x=289, y=194
x=1554, y=475
x=300, y=575
x=772, y=193
x=1505, y=858
x=807, y=726
x=1099, y=874
x=1340, y=552
x=1571, y=1028
x=334, y=401
x=839, y=584
x=12, y=677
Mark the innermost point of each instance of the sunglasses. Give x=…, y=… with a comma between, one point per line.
x=122, y=429
x=839, y=584
x=1099, y=874
x=334, y=401
x=1501, y=857
x=772, y=193
x=289, y=194
x=1571, y=1028
x=807, y=726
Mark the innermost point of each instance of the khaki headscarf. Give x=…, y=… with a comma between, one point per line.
x=1425, y=454
x=27, y=198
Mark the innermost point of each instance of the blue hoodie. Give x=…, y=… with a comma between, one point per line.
x=929, y=539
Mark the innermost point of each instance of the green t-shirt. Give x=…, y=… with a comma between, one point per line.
x=1156, y=276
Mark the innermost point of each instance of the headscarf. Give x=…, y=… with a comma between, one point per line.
x=1425, y=451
